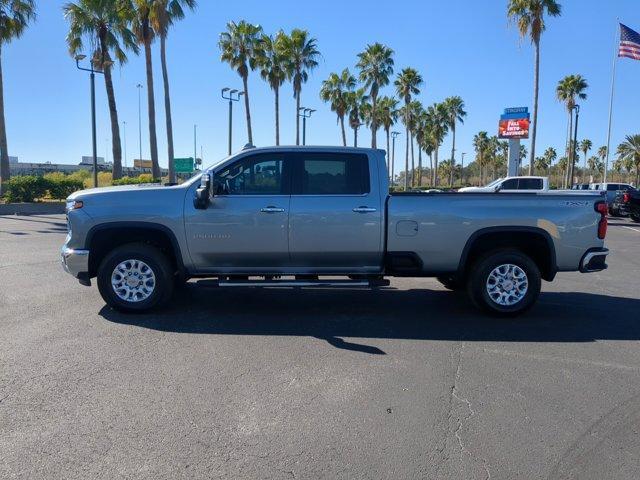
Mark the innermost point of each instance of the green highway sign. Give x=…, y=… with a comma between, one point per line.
x=183, y=165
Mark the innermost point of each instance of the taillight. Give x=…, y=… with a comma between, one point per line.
x=626, y=197
x=601, y=208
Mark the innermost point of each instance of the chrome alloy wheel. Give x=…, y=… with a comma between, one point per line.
x=507, y=284
x=133, y=281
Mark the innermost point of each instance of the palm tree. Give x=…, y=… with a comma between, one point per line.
x=376, y=66
x=388, y=107
x=437, y=117
x=629, y=151
x=550, y=156
x=357, y=102
x=602, y=153
x=302, y=54
x=570, y=89
x=455, y=109
x=335, y=90
x=273, y=69
x=145, y=34
x=164, y=13
x=529, y=15
x=480, y=144
x=585, y=146
x=407, y=84
x=562, y=164
x=105, y=27
x=15, y=16
x=239, y=46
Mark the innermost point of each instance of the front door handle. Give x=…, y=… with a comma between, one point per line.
x=364, y=210
x=271, y=209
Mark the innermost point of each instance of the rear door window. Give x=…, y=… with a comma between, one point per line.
x=332, y=174
x=612, y=187
x=530, y=184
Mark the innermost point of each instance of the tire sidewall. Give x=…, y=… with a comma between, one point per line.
x=478, y=279
x=149, y=255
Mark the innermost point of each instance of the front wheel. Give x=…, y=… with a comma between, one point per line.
x=504, y=283
x=635, y=218
x=135, y=278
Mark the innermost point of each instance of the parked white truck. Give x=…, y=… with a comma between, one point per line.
x=302, y=216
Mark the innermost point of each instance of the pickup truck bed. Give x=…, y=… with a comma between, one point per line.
x=312, y=212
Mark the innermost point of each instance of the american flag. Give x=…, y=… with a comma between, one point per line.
x=629, y=43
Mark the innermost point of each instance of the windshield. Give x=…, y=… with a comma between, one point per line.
x=494, y=183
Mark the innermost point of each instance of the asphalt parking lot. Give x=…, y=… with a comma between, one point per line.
x=409, y=382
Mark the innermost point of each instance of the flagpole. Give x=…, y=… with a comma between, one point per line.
x=613, y=85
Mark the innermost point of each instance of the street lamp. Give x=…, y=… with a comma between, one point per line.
x=393, y=155
x=233, y=95
x=305, y=113
x=93, y=71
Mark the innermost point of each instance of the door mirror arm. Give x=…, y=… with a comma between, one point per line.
x=203, y=193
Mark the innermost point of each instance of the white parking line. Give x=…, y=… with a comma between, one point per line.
x=631, y=228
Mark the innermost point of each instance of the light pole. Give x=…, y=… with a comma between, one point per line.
x=195, y=143
x=232, y=95
x=93, y=71
x=139, y=87
x=305, y=113
x=393, y=155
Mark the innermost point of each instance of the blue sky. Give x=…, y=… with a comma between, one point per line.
x=464, y=48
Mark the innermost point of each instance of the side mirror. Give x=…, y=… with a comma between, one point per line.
x=203, y=193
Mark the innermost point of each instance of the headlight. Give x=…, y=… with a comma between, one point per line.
x=74, y=205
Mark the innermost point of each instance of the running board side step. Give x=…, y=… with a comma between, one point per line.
x=296, y=283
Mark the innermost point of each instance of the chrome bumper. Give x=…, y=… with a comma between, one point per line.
x=594, y=260
x=75, y=262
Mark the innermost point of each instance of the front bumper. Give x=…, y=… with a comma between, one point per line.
x=76, y=263
x=594, y=260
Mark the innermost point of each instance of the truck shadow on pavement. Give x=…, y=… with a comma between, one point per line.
x=389, y=313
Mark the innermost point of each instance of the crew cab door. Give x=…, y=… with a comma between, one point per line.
x=244, y=229
x=335, y=222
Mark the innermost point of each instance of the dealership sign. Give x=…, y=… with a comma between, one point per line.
x=514, y=124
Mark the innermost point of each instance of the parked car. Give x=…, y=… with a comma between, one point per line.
x=512, y=185
x=580, y=186
x=300, y=216
x=610, y=188
x=627, y=202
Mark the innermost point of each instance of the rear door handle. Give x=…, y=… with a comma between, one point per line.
x=364, y=210
x=271, y=209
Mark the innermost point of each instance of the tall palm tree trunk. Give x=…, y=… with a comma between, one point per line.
x=276, y=92
x=342, y=130
x=167, y=108
x=536, y=87
x=453, y=152
x=297, y=95
x=435, y=167
x=431, y=169
x=355, y=136
x=413, y=164
x=419, y=166
x=5, y=171
x=245, y=85
x=406, y=152
x=115, y=125
x=569, y=156
x=374, y=125
x=153, y=140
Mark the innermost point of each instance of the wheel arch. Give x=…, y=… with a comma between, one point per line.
x=104, y=237
x=532, y=241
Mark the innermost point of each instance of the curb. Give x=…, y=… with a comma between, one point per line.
x=48, y=208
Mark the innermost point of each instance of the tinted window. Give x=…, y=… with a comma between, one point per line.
x=612, y=187
x=254, y=175
x=530, y=184
x=333, y=174
x=511, y=184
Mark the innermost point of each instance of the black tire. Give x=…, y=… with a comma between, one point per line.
x=157, y=263
x=451, y=283
x=614, y=212
x=635, y=218
x=479, y=274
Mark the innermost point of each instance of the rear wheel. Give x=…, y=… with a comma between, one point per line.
x=504, y=283
x=135, y=278
x=635, y=217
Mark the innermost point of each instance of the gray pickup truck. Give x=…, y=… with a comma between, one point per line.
x=324, y=217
